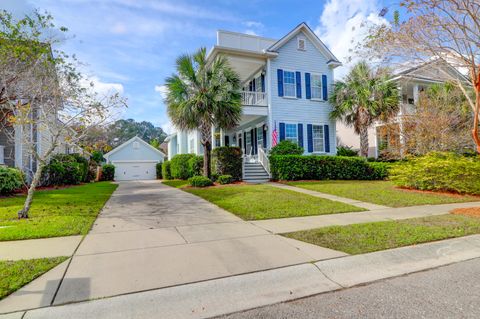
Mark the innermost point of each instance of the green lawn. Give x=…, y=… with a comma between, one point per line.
x=178, y=183
x=253, y=202
x=61, y=212
x=381, y=193
x=16, y=274
x=364, y=238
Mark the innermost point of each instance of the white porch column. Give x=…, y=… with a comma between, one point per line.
x=222, y=137
x=415, y=94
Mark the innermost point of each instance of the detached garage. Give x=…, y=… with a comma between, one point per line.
x=134, y=160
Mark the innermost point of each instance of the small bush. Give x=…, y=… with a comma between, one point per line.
x=158, y=169
x=83, y=162
x=97, y=157
x=439, y=171
x=195, y=166
x=227, y=160
x=11, y=179
x=63, y=169
x=298, y=167
x=200, y=181
x=346, y=151
x=108, y=172
x=166, y=171
x=286, y=148
x=225, y=179
x=179, y=167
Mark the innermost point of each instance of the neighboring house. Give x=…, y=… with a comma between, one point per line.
x=411, y=81
x=286, y=84
x=16, y=142
x=135, y=160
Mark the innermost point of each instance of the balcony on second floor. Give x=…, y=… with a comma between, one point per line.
x=254, y=98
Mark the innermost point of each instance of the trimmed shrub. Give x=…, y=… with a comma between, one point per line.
x=439, y=171
x=195, y=166
x=227, y=160
x=346, y=151
x=286, y=148
x=108, y=172
x=225, y=179
x=83, y=162
x=11, y=179
x=166, y=172
x=158, y=169
x=179, y=166
x=297, y=167
x=200, y=181
x=63, y=169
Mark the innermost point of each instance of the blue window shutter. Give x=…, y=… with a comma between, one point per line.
x=253, y=84
x=280, y=82
x=263, y=82
x=308, y=88
x=310, y=138
x=326, y=133
x=300, y=134
x=264, y=137
x=325, y=87
x=282, y=131
x=298, y=78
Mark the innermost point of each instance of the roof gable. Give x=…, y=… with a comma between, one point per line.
x=303, y=27
x=133, y=139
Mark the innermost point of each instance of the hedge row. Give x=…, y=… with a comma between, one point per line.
x=65, y=169
x=183, y=166
x=439, y=171
x=309, y=167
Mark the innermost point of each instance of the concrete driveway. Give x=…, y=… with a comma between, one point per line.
x=151, y=236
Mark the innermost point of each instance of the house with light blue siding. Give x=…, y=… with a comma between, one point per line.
x=286, y=84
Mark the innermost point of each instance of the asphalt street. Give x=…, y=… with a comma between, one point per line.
x=451, y=291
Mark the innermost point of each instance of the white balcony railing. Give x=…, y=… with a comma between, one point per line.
x=250, y=98
x=2, y=155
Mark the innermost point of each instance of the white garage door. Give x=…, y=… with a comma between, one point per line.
x=129, y=171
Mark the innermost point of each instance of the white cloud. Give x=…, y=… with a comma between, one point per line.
x=162, y=89
x=103, y=88
x=342, y=24
x=251, y=32
x=253, y=24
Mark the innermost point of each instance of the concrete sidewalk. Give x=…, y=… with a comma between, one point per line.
x=39, y=248
x=285, y=225
x=232, y=294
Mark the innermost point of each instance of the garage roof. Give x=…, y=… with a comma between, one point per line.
x=135, y=138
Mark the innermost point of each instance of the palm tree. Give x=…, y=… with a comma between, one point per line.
x=365, y=96
x=204, y=94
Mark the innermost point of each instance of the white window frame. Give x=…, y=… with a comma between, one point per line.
x=322, y=138
x=260, y=131
x=294, y=96
x=315, y=98
x=294, y=140
x=304, y=43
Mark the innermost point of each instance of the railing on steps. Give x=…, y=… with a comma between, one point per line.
x=263, y=159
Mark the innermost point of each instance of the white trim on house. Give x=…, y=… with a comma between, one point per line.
x=116, y=149
x=313, y=38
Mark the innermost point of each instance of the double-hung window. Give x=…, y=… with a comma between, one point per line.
x=316, y=85
x=318, y=139
x=291, y=133
x=289, y=86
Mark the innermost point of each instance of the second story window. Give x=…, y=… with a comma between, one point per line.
x=289, y=87
x=316, y=84
x=291, y=133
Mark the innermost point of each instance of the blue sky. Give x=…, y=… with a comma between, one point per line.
x=131, y=45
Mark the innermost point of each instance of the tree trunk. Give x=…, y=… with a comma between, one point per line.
x=364, y=141
x=23, y=213
x=476, y=138
x=207, y=155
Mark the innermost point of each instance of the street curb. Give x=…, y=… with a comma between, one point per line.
x=243, y=292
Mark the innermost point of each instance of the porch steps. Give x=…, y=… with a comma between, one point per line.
x=255, y=173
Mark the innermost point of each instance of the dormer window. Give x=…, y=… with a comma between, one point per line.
x=301, y=44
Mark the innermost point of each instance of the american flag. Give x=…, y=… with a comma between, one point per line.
x=274, y=137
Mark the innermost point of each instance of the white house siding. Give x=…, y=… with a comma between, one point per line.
x=301, y=110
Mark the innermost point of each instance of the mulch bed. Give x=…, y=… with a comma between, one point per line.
x=471, y=211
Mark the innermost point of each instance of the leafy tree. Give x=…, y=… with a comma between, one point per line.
x=204, y=94
x=123, y=130
x=42, y=90
x=431, y=30
x=155, y=143
x=364, y=97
